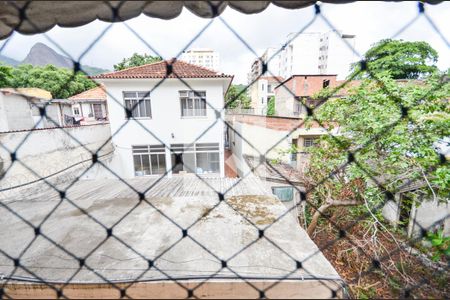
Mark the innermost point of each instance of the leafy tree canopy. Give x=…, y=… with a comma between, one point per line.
x=391, y=130
x=5, y=76
x=236, y=97
x=136, y=60
x=401, y=59
x=61, y=82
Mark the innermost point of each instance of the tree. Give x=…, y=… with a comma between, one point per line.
x=5, y=76
x=401, y=59
x=390, y=129
x=271, y=106
x=237, y=97
x=61, y=82
x=136, y=60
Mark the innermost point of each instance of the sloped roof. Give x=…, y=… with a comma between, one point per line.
x=97, y=93
x=163, y=69
x=29, y=92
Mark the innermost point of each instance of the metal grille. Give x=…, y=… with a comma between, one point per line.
x=80, y=262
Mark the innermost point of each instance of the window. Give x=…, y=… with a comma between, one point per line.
x=308, y=142
x=193, y=103
x=262, y=87
x=284, y=193
x=201, y=158
x=138, y=103
x=76, y=111
x=149, y=160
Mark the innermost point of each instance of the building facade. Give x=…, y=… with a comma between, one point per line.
x=21, y=109
x=271, y=58
x=292, y=94
x=90, y=106
x=202, y=57
x=317, y=53
x=161, y=125
x=261, y=91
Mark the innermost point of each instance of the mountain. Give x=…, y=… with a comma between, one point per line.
x=41, y=55
x=8, y=61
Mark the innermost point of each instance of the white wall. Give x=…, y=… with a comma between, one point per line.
x=257, y=139
x=16, y=113
x=166, y=118
x=301, y=56
x=49, y=151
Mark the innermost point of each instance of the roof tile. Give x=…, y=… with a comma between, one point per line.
x=164, y=69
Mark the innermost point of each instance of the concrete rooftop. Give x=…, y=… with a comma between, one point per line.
x=152, y=230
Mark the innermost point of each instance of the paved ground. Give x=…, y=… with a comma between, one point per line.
x=152, y=230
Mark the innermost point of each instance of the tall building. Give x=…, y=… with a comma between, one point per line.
x=271, y=58
x=335, y=56
x=317, y=53
x=203, y=57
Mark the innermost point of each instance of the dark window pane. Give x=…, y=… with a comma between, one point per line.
x=162, y=163
x=137, y=165
x=154, y=160
x=148, y=111
x=142, y=108
x=145, y=165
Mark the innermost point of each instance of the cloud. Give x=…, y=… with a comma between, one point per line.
x=370, y=21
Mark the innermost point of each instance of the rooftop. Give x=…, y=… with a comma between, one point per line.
x=28, y=92
x=97, y=93
x=164, y=69
x=152, y=229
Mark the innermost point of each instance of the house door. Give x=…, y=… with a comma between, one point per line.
x=98, y=111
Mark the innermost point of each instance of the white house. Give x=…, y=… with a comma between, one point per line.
x=164, y=118
x=90, y=105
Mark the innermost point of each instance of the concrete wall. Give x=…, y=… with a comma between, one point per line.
x=16, y=113
x=49, y=151
x=166, y=125
x=428, y=215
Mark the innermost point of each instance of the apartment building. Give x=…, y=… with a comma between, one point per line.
x=203, y=57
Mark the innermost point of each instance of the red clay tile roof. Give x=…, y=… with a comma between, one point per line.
x=97, y=93
x=163, y=69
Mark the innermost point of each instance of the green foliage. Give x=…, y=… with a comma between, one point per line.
x=61, y=82
x=271, y=106
x=236, y=97
x=387, y=145
x=401, y=59
x=439, y=244
x=136, y=60
x=5, y=76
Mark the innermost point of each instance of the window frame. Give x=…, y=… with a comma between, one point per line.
x=311, y=142
x=195, y=98
x=149, y=151
x=138, y=100
x=198, y=148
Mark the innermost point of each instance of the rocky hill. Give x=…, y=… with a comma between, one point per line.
x=41, y=55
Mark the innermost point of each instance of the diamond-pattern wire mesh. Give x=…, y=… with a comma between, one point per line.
x=82, y=261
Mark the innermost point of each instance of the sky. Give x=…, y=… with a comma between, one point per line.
x=369, y=21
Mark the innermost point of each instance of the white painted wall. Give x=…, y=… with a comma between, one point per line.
x=49, y=151
x=301, y=55
x=166, y=118
x=255, y=140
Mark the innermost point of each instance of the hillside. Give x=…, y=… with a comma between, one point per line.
x=41, y=55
